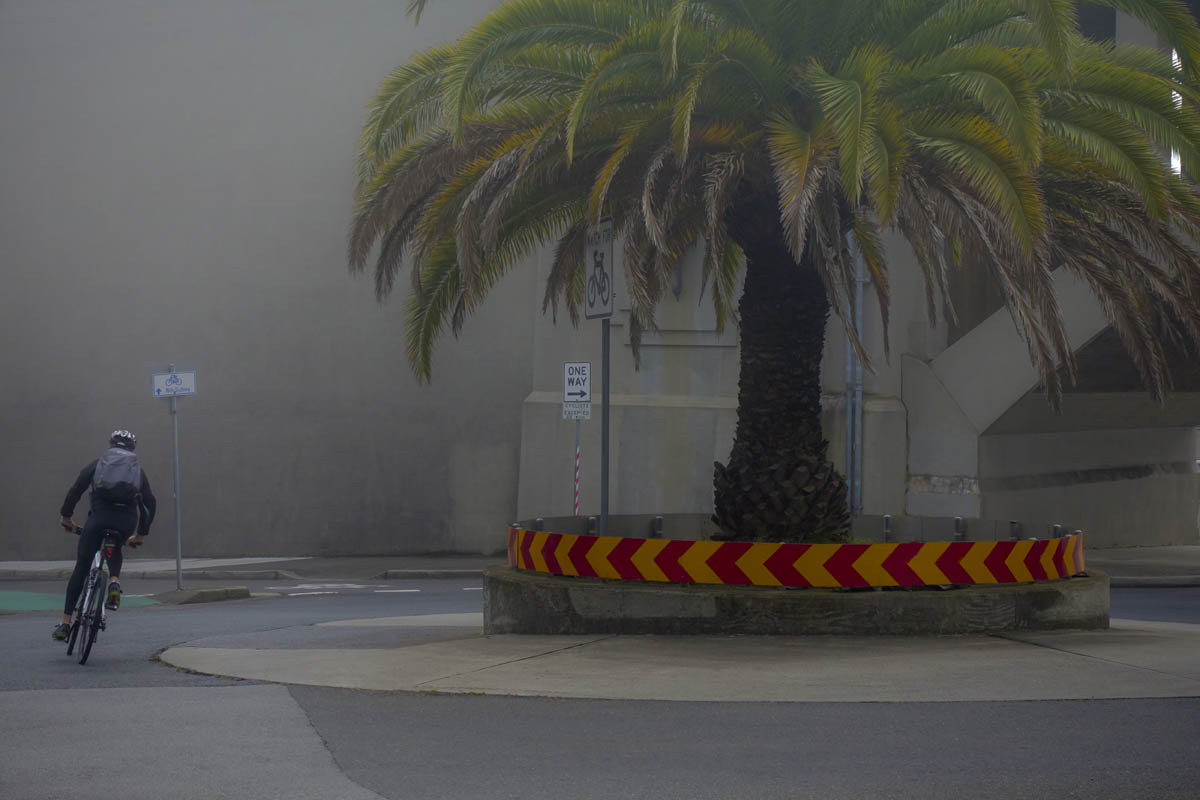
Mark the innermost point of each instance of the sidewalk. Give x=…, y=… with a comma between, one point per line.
x=1134, y=659
x=1177, y=565
x=279, y=568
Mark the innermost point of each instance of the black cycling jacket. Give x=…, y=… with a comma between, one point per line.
x=84, y=482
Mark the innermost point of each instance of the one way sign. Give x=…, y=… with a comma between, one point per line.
x=577, y=382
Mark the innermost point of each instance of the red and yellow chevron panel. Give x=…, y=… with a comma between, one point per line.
x=802, y=565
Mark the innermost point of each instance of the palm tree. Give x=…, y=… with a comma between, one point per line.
x=781, y=136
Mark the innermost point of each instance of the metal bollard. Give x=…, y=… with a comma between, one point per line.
x=656, y=528
x=887, y=527
x=591, y=528
x=539, y=524
x=1056, y=531
x=1014, y=530
x=960, y=529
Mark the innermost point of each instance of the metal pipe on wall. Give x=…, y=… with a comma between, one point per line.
x=854, y=395
x=860, y=280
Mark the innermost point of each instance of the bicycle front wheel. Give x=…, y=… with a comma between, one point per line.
x=92, y=615
x=75, y=623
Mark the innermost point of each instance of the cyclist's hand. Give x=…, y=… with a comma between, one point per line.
x=135, y=540
x=68, y=524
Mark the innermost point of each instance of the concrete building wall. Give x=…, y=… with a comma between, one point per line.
x=175, y=185
x=670, y=419
x=1124, y=487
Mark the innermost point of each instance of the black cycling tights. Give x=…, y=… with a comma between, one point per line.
x=89, y=542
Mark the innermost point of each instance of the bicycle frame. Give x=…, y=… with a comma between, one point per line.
x=97, y=574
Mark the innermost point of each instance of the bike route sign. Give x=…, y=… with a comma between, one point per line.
x=600, y=270
x=173, y=384
x=577, y=390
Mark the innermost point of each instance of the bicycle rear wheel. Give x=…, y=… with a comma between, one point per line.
x=77, y=617
x=91, y=618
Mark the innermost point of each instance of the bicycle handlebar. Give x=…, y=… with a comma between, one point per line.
x=78, y=531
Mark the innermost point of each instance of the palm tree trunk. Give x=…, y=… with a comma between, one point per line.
x=779, y=484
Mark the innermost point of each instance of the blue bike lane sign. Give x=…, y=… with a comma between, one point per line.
x=173, y=384
x=600, y=271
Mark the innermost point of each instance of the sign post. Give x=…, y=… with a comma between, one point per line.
x=577, y=405
x=172, y=384
x=601, y=285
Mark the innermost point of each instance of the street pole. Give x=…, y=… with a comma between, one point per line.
x=178, y=517
x=575, y=513
x=604, y=375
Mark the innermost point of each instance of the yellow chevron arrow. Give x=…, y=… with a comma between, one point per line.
x=924, y=563
x=1080, y=554
x=597, y=556
x=973, y=564
x=535, y=551
x=560, y=553
x=1047, y=560
x=693, y=562
x=1016, y=562
x=1069, y=556
x=643, y=559
x=753, y=563
x=811, y=564
x=870, y=565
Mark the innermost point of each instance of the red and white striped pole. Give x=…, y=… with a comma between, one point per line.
x=576, y=468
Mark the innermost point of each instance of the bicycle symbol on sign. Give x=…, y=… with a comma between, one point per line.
x=174, y=380
x=599, y=283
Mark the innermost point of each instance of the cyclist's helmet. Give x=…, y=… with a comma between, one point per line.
x=123, y=439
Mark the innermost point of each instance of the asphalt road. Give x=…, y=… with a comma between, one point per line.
x=163, y=732
x=1162, y=605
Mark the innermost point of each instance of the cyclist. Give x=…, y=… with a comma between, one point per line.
x=121, y=500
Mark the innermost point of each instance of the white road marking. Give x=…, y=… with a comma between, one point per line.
x=472, y=588
x=465, y=620
x=326, y=586
x=394, y=591
x=301, y=594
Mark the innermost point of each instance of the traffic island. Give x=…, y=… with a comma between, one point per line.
x=579, y=584
x=516, y=601
x=181, y=597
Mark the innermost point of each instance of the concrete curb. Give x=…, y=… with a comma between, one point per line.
x=35, y=574
x=219, y=575
x=1156, y=581
x=404, y=574
x=251, y=575
x=519, y=601
x=181, y=597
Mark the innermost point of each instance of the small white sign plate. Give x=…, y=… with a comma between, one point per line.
x=600, y=270
x=577, y=382
x=173, y=384
x=577, y=410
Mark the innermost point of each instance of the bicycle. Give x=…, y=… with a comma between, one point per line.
x=90, y=612
x=598, y=283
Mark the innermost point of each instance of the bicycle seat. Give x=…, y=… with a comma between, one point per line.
x=112, y=538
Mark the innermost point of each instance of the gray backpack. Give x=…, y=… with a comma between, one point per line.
x=118, y=478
